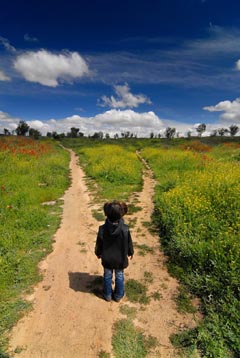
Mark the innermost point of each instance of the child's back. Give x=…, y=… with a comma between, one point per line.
x=113, y=246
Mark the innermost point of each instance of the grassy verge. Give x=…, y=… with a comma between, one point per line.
x=33, y=175
x=115, y=168
x=197, y=212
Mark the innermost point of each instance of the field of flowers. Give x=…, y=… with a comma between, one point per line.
x=115, y=168
x=31, y=173
x=197, y=212
x=196, y=209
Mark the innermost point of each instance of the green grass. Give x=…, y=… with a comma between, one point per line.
x=148, y=277
x=136, y=292
x=157, y=296
x=185, y=342
x=133, y=209
x=197, y=215
x=130, y=312
x=98, y=215
x=183, y=301
x=197, y=212
x=103, y=354
x=131, y=222
x=116, y=170
x=130, y=342
x=31, y=173
x=144, y=249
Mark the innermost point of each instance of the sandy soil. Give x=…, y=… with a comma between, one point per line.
x=69, y=318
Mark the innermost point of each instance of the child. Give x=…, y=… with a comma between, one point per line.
x=114, y=246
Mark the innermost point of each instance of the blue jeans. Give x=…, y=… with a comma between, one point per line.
x=107, y=284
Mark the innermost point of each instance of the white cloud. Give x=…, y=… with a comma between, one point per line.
x=238, y=65
x=124, y=98
x=50, y=69
x=231, y=110
x=112, y=121
x=4, y=77
x=6, y=44
x=128, y=120
x=8, y=122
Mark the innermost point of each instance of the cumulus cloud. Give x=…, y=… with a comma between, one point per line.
x=128, y=120
x=124, y=98
x=4, y=77
x=49, y=69
x=112, y=121
x=8, y=122
x=231, y=110
x=6, y=44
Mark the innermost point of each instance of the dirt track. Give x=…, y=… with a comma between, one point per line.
x=69, y=319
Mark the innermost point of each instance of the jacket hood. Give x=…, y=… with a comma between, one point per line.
x=114, y=228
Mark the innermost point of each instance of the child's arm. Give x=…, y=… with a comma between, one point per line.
x=99, y=243
x=130, y=246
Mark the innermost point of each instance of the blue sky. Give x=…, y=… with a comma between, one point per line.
x=116, y=66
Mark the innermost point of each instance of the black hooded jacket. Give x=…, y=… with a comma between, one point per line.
x=114, y=245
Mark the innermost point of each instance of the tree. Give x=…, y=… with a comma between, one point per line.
x=6, y=131
x=222, y=131
x=34, y=133
x=214, y=133
x=74, y=132
x=98, y=135
x=22, y=128
x=151, y=135
x=170, y=132
x=233, y=129
x=55, y=135
x=201, y=128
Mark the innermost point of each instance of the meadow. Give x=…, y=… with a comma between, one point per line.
x=114, y=167
x=32, y=175
x=196, y=213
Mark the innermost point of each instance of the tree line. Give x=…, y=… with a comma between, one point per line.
x=200, y=129
x=23, y=129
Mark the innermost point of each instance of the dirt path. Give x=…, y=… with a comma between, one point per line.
x=69, y=319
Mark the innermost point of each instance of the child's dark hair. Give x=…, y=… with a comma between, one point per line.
x=124, y=207
x=115, y=210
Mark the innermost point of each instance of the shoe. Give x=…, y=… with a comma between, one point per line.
x=117, y=299
x=108, y=299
